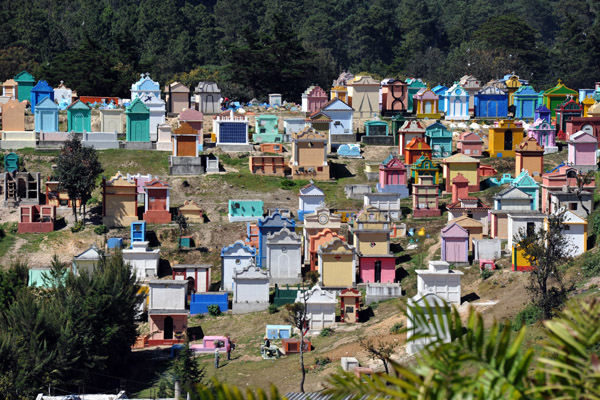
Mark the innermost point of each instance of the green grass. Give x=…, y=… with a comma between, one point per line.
x=35, y=240
x=6, y=243
x=134, y=161
x=236, y=162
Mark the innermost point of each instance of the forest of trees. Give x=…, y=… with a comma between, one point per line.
x=254, y=47
x=70, y=337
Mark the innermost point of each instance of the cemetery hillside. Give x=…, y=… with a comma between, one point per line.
x=267, y=199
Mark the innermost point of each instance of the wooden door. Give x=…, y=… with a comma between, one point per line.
x=186, y=146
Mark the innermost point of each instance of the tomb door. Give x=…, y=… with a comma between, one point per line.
x=47, y=121
x=186, y=146
x=508, y=139
x=284, y=267
x=111, y=126
x=168, y=328
x=191, y=286
x=78, y=122
x=458, y=107
x=137, y=131
x=208, y=106
x=528, y=109
x=157, y=200
x=377, y=271
x=492, y=109
x=350, y=313
x=428, y=107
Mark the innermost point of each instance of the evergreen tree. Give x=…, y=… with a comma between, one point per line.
x=187, y=369
x=77, y=170
x=12, y=282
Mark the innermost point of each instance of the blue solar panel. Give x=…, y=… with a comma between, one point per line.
x=232, y=132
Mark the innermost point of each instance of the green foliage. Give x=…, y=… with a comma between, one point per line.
x=527, y=316
x=77, y=227
x=263, y=46
x=312, y=277
x=83, y=327
x=13, y=228
x=273, y=309
x=287, y=184
x=396, y=328
x=595, y=225
x=100, y=229
x=486, y=273
x=12, y=281
x=214, y=310
x=77, y=171
x=326, y=332
x=322, y=361
x=187, y=369
x=590, y=264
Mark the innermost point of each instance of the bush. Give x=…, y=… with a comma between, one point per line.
x=287, y=184
x=92, y=201
x=528, y=316
x=397, y=327
x=486, y=273
x=13, y=228
x=591, y=264
x=273, y=308
x=374, y=306
x=322, y=361
x=326, y=332
x=214, y=310
x=77, y=227
x=101, y=229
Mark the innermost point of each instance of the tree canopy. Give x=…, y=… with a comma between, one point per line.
x=255, y=47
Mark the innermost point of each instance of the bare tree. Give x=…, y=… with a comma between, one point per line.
x=378, y=350
x=297, y=315
x=546, y=249
x=583, y=179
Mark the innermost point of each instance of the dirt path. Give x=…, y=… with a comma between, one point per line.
x=433, y=249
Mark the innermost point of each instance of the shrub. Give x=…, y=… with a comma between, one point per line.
x=287, y=184
x=273, y=308
x=591, y=264
x=214, y=310
x=322, y=361
x=77, y=227
x=101, y=229
x=397, y=327
x=13, y=228
x=374, y=306
x=486, y=273
x=326, y=332
x=527, y=316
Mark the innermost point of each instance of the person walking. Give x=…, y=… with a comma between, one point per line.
x=230, y=348
x=217, y=358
